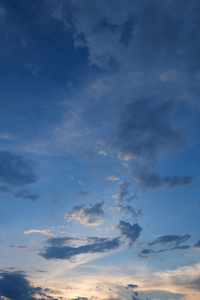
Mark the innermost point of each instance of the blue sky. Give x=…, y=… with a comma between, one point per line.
x=99, y=150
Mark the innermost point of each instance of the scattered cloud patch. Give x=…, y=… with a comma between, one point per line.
x=151, y=180
x=131, y=286
x=145, y=128
x=15, y=170
x=131, y=232
x=124, y=192
x=197, y=244
x=101, y=152
x=88, y=216
x=112, y=178
x=26, y=195
x=129, y=210
x=84, y=192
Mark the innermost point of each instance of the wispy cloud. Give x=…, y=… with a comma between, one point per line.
x=152, y=180
x=42, y=231
x=112, y=178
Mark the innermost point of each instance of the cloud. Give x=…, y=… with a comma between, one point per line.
x=145, y=128
x=131, y=286
x=172, y=239
x=26, y=195
x=42, y=231
x=60, y=241
x=165, y=240
x=15, y=170
x=112, y=178
x=197, y=244
x=94, y=245
x=84, y=192
x=135, y=296
x=145, y=252
x=124, y=193
x=144, y=35
x=131, y=232
x=152, y=180
x=15, y=286
x=130, y=210
x=87, y=216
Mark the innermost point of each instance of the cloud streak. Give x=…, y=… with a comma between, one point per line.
x=94, y=245
x=152, y=180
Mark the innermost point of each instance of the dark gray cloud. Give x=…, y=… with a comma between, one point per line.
x=15, y=286
x=135, y=296
x=88, y=216
x=131, y=286
x=152, y=180
x=15, y=170
x=145, y=128
x=131, y=232
x=94, y=245
x=26, y=195
x=145, y=252
x=171, y=239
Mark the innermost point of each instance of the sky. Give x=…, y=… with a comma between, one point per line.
x=99, y=150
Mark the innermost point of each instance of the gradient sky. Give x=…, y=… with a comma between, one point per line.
x=99, y=149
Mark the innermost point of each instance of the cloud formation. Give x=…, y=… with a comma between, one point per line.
x=15, y=286
x=167, y=240
x=94, y=245
x=26, y=195
x=152, y=180
x=15, y=170
x=145, y=128
x=131, y=286
x=131, y=232
x=43, y=231
x=124, y=192
x=171, y=239
x=88, y=216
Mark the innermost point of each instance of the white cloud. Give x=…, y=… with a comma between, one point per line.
x=42, y=231
x=112, y=178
